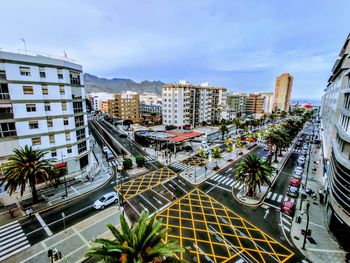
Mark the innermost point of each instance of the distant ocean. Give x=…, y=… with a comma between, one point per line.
x=314, y=102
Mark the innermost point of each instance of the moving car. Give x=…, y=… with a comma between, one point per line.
x=105, y=200
x=105, y=149
x=288, y=208
x=122, y=135
x=109, y=155
x=294, y=182
x=293, y=191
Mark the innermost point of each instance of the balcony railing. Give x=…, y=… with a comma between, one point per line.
x=4, y=96
x=6, y=115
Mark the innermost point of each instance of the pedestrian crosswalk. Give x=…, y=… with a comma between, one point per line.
x=113, y=163
x=278, y=197
x=12, y=240
x=227, y=181
x=178, y=167
x=286, y=222
x=148, y=158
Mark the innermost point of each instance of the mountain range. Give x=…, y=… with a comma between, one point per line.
x=116, y=85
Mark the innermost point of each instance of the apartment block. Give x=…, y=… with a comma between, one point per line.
x=147, y=109
x=125, y=106
x=188, y=105
x=100, y=99
x=335, y=119
x=283, y=90
x=42, y=104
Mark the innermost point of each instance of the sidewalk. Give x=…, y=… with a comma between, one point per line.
x=74, y=243
x=57, y=196
x=325, y=248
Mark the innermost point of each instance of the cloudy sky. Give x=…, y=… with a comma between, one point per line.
x=241, y=45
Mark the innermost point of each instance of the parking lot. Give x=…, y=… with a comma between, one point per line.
x=138, y=185
x=211, y=232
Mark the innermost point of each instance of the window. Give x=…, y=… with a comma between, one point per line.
x=47, y=106
x=45, y=89
x=28, y=90
x=53, y=153
x=62, y=90
x=49, y=122
x=69, y=149
x=31, y=107
x=77, y=107
x=81, y=147
x=79, y=121
x=36, y=141
x=65, y=121
x=2, y=74
x=42, y=72
x=67, y=136
x=80, y=134
x=25, y=71
x=74, y=78
x=64, y=105
x=7, y=129
x=4, y=91
x=52, y=138
x=59, y=73
x=33, y=125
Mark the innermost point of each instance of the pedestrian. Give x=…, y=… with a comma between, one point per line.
x=307, y=206
x=29, y=212
x=11, y=212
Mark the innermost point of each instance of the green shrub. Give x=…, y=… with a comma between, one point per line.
x=127, y=163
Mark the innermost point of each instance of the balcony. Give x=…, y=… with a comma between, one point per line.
x=6, y=115
x=5, y=96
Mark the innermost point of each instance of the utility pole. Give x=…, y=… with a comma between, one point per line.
x=306, y=229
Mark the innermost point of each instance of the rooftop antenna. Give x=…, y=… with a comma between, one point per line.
x=24, y=43
x=65, y=54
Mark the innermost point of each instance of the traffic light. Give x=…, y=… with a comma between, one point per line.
x=298, y=219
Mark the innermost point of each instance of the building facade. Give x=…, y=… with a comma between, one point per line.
x=125, y=106
x=335, y=119
x=42, y=104
x=99, y=99
x=187, y=105
x=147, y=109
x=283, y=90
x=251, y=104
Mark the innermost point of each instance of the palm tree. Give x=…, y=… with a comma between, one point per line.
x=216, y=154
x=24, y=167
x=223, y=129
x=237, y=123
x=143, y=242
x=271, y=138
x=252, y=172
x=202, y=153
x=230, y=148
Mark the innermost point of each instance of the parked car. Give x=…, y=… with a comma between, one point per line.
x=293, y=191
x=301, y=162
x=304, y=152
x=297, y=176
x=294, y=182
x=105, y=149
x=105, y=200
x=299, y=168
x=288, y=208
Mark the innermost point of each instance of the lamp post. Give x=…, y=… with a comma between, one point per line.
x=65, y=179
x=306, y=229
x=120, y=169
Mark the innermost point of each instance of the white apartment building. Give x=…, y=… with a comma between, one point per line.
x=96, y=99
x=42, y=104
x=189, y=105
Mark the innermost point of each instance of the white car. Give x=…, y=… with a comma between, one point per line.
x=106, y=200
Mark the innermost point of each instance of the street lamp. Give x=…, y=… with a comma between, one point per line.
x=65, y=180
x=121, y=203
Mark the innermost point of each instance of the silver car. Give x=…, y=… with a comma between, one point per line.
x=105, y=200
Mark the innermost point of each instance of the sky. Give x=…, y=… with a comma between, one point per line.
x=240, y=45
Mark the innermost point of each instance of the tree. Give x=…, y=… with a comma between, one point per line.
x=127, y=163
x=252, y=172
x=203, y=154
x=271, y=138
x=143, y=242
x=237, y=123
x=223, y=129
x=230, y=148
x=216, y=154
x=24, y=167
x=140, y=160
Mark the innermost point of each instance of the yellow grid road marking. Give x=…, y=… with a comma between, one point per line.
x=141, y=184
x=193, y=205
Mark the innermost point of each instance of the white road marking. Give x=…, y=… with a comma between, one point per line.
x=75, y=190
x=286, y=198
x=43, y=224
x=218, y=186
x=159, y=202
x=213, y=178
x=280, y=198
x=144, y=198
x=223, y=178
x=240, y=188
x=268, y=204
x=268, y=195
x=229, y=182
x=274, y=196
x=326, y=250
x=218, y=178
x=132, y=207
x=223, y=182
x=179, y=186
x=144, y=208
x=286, y=221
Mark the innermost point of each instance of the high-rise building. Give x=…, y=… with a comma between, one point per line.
x=189, y=105
x=283, y=92
x=97, y=98
x=125, y=106
x=268, y=101
x=42, y=104
x=335, y=124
